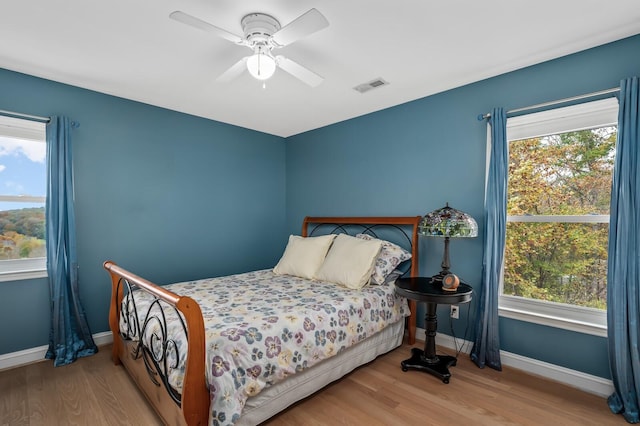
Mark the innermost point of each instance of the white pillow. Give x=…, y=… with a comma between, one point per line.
x=390, y=256
x=350, y=261
x=303, y=256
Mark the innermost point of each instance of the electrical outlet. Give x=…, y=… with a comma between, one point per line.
x=455, y=312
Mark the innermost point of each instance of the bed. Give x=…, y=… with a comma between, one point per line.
x=203, y=354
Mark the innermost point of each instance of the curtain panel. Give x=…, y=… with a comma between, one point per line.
x=486, y=347
x=623, y=274
x=69, y=336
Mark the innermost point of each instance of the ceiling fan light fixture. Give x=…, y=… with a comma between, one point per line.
x=261, y=66
x=262, y=34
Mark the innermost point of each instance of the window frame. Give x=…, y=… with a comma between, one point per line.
x=584, y=116
x=27, y=268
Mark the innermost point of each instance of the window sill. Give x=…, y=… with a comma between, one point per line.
x=567, y=317
x=25, y=275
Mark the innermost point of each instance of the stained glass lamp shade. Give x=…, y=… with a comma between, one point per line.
x=447, y=222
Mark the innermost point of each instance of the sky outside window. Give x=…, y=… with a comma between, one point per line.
x=22, y=171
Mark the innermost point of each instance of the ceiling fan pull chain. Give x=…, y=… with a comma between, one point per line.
x=259, y=61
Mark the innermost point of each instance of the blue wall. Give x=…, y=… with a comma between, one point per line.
x=168, y=195
x=415, y=157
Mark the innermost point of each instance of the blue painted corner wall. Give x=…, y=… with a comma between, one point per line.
x=175, y=197
x=167, y=195
x=415, y=157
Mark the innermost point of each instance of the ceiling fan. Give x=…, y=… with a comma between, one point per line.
x=263, y=34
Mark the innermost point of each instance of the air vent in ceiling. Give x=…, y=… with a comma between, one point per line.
x=373, y=84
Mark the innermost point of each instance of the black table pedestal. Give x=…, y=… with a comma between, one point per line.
x=438, y=367
x=427, y=360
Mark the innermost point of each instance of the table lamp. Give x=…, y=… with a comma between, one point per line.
x=447, y=222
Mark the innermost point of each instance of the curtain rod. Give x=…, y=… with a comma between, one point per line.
x=25, y=116
x=551, y=103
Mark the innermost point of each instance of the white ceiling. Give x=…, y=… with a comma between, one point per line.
x=133, y=50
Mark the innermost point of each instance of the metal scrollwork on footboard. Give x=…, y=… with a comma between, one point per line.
x=157, y=343
x=154, y=340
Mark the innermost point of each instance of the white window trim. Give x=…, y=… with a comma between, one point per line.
x=581, y=319
x=589, y=115
x=24, y=269
x=560, y=315
x=23, y=129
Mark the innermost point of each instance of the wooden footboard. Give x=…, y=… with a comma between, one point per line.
x=191, y=407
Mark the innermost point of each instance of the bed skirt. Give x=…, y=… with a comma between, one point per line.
x=276, y=398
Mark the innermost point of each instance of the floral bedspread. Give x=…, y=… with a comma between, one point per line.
x=261, y=328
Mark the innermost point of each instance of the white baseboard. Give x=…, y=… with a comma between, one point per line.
x=28, y=356
x=577, y=379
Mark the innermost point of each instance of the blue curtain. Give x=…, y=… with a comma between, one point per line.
x=486, y=347
x=69, y=336
x=623, y=276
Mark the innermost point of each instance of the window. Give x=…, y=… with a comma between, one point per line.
x=559, y=189
x=22, y=199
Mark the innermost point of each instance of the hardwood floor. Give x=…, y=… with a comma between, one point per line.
x=93, y=391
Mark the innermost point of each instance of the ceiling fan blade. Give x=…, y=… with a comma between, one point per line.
x=234, y=72
x=298, y=71
x=302, y=26
x=205, y=26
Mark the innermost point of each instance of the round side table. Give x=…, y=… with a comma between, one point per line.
x=424, y=289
